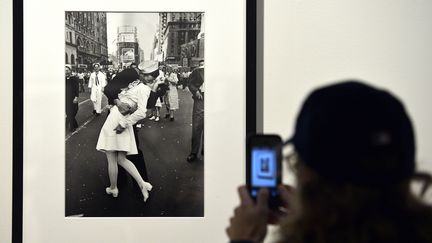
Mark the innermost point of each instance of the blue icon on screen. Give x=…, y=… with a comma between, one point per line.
x=264, y=167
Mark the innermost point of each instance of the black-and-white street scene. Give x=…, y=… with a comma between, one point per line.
x=134, y=114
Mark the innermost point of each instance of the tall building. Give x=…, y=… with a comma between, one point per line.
x=141, y=55
x=86, y=38
x=175, y=30
x=193, y=51
x=128, y=50
x=71, y=46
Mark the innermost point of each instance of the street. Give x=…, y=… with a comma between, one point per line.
x=178, y=186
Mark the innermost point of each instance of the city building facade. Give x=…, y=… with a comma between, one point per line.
x=175, y=30
x=86, y=39
x=128, y=50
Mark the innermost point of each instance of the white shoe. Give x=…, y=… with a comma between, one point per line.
x=113, y=192
x=152, y=118
x=145, y=188
x=148, y=186
x=145, y=194
x=156, y=119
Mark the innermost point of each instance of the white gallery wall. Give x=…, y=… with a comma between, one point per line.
x=309, y=43
x=6, y=121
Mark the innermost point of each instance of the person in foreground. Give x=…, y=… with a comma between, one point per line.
x=117, y=137
x=354, y=160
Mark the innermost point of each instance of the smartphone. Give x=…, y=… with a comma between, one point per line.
x=263, y=165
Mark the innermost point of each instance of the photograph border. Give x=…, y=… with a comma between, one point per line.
x=18, y=121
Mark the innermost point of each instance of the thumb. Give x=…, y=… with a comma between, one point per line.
x=262, y=199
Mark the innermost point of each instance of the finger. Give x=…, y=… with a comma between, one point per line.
x=245, y=199
x=262, y=199
x=275, y=216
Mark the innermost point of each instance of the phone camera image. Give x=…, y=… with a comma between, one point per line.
x=264, y=168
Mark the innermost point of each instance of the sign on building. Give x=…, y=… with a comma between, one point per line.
x=127, y=54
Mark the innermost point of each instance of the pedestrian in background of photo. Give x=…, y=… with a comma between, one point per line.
x=184, y=76
x=81, y=81
x=72, y=94
x=97, y=82
x=159, y=91
x=117, y=137
x=86, y=77
x=171, y=98
x=196, y=87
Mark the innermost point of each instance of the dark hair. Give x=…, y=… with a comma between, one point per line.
x=154, y=74
x=327, y=211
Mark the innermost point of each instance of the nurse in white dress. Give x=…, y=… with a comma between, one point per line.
x=97, y=82
x=116, y=138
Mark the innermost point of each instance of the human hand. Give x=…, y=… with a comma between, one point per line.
x=250, y=219
x=199, y=95
x=119, y=129
x=123, y=108
x=286, y=195
x=133, y=109
x=75, y=100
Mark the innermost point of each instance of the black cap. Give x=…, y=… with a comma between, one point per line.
x=352, y=132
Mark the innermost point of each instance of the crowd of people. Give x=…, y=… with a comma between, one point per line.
x=133, y=94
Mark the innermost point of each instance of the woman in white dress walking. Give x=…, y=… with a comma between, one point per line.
x=116, y=138
x=171, y=98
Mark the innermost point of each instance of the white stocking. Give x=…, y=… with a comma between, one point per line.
x=112, y=168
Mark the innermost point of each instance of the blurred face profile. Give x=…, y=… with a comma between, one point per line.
x=96, y=68
x=146, y=78
x=201, y=63
x=68, y=72
x=133, y=66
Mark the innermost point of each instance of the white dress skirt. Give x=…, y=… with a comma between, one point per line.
x=171, y=98
x=109, y=140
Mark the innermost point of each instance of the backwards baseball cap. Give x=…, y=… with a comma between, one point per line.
x=352, y=132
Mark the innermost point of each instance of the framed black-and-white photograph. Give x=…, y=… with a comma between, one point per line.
x=152, y=63
x=114, y=146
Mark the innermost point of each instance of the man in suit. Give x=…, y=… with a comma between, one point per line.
x=196, y=87
x=72, y=94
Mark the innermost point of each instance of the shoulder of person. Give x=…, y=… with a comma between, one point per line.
x=144, y=87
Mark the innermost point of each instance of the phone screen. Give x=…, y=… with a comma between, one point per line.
x=264, y=168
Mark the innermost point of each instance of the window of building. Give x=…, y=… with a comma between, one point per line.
x=70, y=38
x=72, y=59
x=67, y=59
